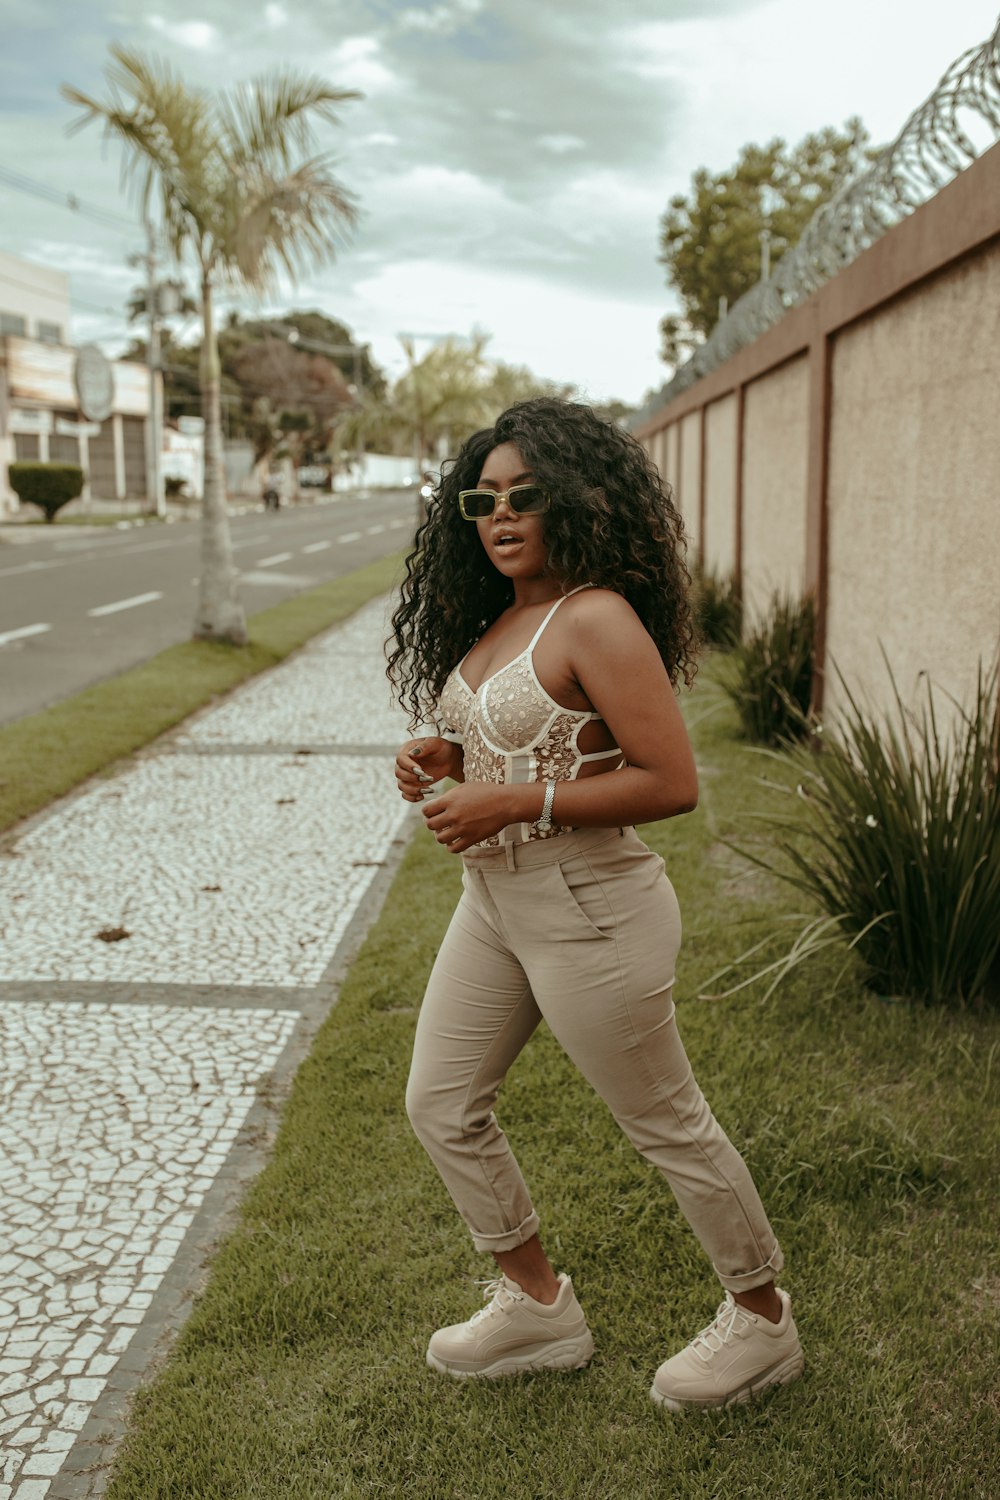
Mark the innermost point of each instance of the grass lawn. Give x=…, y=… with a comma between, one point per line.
x=47, y=754
x=872, y=1130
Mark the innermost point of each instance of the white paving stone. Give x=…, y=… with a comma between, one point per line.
x=115, y=1119
x=292, y=843
x=334, y=692
x=123, y=1070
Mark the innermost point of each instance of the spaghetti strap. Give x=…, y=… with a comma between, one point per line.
x=534, y=639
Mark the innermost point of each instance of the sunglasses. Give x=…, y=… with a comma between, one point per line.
x=523, y=499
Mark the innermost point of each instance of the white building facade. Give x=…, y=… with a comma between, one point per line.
x=43, y=394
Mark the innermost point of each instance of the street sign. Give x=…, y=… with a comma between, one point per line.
x=95, y=383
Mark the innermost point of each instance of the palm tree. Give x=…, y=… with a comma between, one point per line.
x=224, y=171
x=443, y=394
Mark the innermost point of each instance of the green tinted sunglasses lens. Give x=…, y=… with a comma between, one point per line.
x=475, y=504
x=528, y=500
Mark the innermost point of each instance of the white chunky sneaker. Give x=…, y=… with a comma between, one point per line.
x=734, y=1358
x=514, y=1333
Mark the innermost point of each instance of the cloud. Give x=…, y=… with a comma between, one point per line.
x=200, y=36
x=560, y=144
x=604, y=345
x=275, y=16
x=356, y=64
x=441, y=19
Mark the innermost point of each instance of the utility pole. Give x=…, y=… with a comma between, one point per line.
x=155, y=451
x=359, y=447
x=298, y=342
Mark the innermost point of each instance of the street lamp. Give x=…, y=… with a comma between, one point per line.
x=765, y=254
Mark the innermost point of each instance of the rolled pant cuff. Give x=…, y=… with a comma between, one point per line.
x=745, y=1281
x=511, y=1239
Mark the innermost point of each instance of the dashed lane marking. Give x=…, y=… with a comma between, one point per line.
x=22, y=632
x=137, y=599
x=317, y=546
x=350, y=536
x=271, y=562
x=374, y=530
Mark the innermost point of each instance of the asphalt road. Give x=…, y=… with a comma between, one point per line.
x=81, y=607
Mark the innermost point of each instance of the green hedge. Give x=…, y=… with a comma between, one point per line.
x=49, y=486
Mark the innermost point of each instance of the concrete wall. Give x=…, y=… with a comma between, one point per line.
x=657, y=450
x=914, y=486
x=870, y=453
x=689, y=477
x=775, y=453
x=672, y=441
x=721, y=453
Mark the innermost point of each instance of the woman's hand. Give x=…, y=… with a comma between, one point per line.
x=422, y=762
x=465, y=815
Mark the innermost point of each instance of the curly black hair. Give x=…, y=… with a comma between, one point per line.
x=612, y=523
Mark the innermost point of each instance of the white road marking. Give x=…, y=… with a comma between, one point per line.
x=270, y=562
x=112, y=609
x=277, y=580
x=350, y=536
x=374, y=530
x=399, y=521
x=32, y=567
x=317, y=546
x=22, y=632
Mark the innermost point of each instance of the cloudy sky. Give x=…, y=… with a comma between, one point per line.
x=511, y=157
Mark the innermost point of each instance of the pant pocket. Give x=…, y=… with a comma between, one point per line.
x=582, y=899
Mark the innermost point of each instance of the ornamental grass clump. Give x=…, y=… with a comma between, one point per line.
x=770, y=673
x=900, y=845
x=718, y=609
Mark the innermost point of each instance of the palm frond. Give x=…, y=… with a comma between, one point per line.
x=167, y=131
x=270, y=120
x=285, y=222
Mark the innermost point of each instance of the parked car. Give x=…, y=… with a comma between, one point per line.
x=314, y=477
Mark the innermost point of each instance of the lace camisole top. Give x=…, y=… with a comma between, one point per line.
x=512, y=731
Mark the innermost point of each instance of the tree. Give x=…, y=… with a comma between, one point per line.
x=231, y=192
x=278, y=383
x=711, y=239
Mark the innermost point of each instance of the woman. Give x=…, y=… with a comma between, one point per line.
x=544, y=621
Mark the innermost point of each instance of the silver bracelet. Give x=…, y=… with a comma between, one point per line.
x=543, y=823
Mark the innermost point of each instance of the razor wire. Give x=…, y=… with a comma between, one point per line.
x=933, y=146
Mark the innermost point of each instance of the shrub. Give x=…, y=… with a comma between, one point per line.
x=770, y=673
x=900, y=844
x=718, y=609
x=49, y=486
x=174, y=485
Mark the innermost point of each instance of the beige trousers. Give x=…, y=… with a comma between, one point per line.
x=581, y=929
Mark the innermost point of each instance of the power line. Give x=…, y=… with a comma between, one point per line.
x=65, y=200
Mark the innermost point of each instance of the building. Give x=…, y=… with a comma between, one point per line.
x=61, y=404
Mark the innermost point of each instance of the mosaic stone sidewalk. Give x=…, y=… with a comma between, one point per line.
x=170, y=940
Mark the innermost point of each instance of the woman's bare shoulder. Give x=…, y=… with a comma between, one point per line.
x=598, y=608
